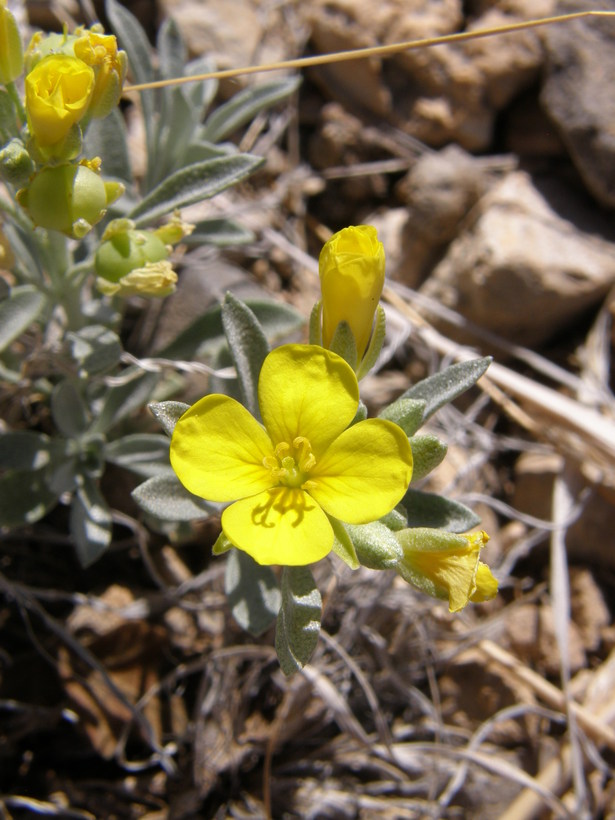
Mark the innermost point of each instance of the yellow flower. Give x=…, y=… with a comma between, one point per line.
x=446, y=565
x=101, y=53
x=351, y=266
x=304, y=465
x=11, y=49
x=58, y=93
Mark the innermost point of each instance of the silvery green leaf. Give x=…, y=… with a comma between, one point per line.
x=194, y=183
x=171, y=50
x=164, y=497
x=248, y=347
x=106, y=137
x=24, y=306
x=219, y=232
x=68, y=409
x=375, y=544
x=133, y=39
x=205, y=336
x=443, y=387
x=406, y=413
x=361, y=413
x=244, y=106
x=395, y=520
x=427, y=452
x=24, y=497
x=25, y=450
x=121, y=400
x=168, y=413
x=95, y=348
x=252, y=591
x=298, y=625
x=146, y=454
x=89, y=522
x=430, y=510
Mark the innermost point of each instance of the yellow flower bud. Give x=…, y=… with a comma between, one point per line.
x=351, y=267
x=68, y=198
x=101, y=53
x=58, y=92
x=11, y=49
x=446, y=565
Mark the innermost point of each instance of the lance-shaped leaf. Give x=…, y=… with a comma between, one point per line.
x=252, y=591
x=17, y=313
x=298, y=623
x=146, y=454
x=24, y=497
x=430, y=510
x=407, y=413
x=68, y=409
x=95, y=348
x=375, y=544
x=122, y=399
x=165, y=498
x=90, y=522
x=168, y=413
x=244, y=106
x=193, y=184
x=248, y=346
x=443, y=387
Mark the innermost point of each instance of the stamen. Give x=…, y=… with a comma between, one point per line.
x=289, y=470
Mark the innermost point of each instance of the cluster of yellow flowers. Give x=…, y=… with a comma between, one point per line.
x=68, y=81
x=294, y=478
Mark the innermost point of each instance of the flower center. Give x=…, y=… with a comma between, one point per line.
x=292, y=462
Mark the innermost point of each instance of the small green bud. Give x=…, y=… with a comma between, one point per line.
x=11, y=49
x=69, y=198
x=16, y=166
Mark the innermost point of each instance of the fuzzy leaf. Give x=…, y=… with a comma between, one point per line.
x=17, y=313
x=146, y=454
x=298, y=625
x=219, y=232
x=248, y=346
x=193, y=184
x=164, y=497
x=430, y=510
x=252, y=591
x=443, y=387
x=205, y=336
x=95, y=348
x=427, y=452
x=90, y=522
x=344, y=344
x=244, y=106
x=123, y=399
x=406, y=413
x=68, y=410
x=375, y=544
x=24, y=497
x=168, y=413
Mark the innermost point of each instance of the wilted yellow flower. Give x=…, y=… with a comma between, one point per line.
x=11, y=49
x=446, y=565
x=101, y=53
x=302, y=466
x=58, y=93
x=351, y=267
x=153, y=279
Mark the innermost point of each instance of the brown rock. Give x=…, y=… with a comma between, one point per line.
x=520, y=269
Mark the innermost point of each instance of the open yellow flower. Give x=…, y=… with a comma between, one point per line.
x=351, y=266
x=301, y=466
x=58, y=93
x=446, y=565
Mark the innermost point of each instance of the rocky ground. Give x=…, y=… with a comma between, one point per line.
x=489, y=169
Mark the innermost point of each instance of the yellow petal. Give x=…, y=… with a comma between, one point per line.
x=279, y=526
x=486, y=585
x=217, y=450
x=364, y=473
x=452, y=573
x=304, y=390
